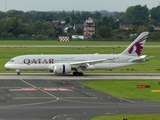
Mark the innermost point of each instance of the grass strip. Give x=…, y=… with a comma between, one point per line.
x=87, y=43
x=129, y=117
x=127, y=89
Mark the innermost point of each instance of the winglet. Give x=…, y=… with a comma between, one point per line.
x=135, y=48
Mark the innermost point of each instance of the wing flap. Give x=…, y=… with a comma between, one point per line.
x=86, y=63
x=89, y=62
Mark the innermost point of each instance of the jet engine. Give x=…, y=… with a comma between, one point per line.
x=62, y=68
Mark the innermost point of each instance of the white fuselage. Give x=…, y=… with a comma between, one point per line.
x=46, y=62
x=63, y=64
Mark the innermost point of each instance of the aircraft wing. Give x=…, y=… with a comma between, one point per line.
x=141, y=59
x=88, y=63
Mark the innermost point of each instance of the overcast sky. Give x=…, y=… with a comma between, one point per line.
x=68, y=5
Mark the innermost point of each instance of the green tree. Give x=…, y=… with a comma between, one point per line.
x=96, y=15
x=3, y=15
x=155, y=16
x=142, y=29
x=137, y=15
x=85, y=15
x=15, y=13
x=151, y=28
x=30, y=29
x=128, y=16
x=4, y=35
x=46, y=26
x=38, y=26
x=58, y=31
x=105, y=32
x=12, y=25
x=141, y=15
x=39, y=37
x=154, y=35
x=79, y=31
x=67, y=19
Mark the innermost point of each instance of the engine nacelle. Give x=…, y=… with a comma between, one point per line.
x=62, y=68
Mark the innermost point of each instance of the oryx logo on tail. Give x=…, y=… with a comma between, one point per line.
x=138, y=46
x=135, y=48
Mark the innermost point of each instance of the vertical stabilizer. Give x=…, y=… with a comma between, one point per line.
x=135, y=48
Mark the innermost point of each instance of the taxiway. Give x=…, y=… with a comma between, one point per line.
x=50, y=97
x=87, y=76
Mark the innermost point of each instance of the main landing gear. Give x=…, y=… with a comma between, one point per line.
x=18, y=72
x=78, y=74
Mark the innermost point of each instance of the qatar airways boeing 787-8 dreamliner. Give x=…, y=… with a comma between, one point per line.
x=65, y=63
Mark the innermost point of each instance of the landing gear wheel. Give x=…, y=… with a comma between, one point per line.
x=78, y=73
x=18, y=73
x=81, y=74
x=75, y=73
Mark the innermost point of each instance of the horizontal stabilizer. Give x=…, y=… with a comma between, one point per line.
x=147, y=59
x=141, y=59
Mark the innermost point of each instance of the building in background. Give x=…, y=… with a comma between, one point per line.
x=78, y=26
x=89, y=28
x=68, y=26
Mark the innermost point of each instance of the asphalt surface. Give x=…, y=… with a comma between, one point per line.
x=44, y=98
x=87, y=76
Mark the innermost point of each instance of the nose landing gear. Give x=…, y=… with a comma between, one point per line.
x=18, y=72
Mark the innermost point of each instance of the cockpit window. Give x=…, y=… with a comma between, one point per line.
x=11, y=60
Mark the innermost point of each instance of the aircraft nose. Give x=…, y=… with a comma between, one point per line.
x=6, y=65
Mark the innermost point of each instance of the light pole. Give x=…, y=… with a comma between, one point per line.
x=149, y=18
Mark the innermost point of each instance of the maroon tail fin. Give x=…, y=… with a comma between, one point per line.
x=135, y=48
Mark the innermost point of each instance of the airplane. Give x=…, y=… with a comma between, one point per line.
x=66, y=63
